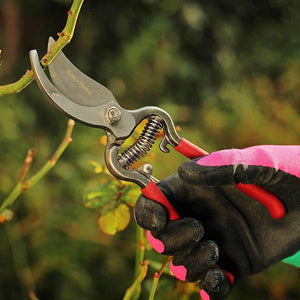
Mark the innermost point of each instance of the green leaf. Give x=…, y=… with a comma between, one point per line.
x=6, y=215
x=115, y=221
x=130, y=194
x=99, y=196
x=98, y=168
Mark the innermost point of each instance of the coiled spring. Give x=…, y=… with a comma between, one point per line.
x=143, y=143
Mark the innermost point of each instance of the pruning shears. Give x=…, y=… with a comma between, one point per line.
x=87, y=101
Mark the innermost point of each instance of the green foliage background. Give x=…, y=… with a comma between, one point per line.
x=227, y=71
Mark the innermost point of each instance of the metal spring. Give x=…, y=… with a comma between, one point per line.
x=143, y=143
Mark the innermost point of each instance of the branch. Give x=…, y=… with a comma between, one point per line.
x=27, y=164
x=51, y=163
x=132, y=289
x=64, y=38
x=157, y=276
x=139, y=257
x=22, y=186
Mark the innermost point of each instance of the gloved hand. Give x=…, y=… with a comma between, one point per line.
x=222, y=225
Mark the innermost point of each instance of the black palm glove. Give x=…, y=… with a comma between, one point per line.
x=220, y=224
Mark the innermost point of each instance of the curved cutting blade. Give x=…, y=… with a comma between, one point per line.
x=74, y=84
x=91, y=115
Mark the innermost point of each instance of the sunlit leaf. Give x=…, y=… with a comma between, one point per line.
x=115, y=221
x=99, y=196
x=107, y=207
x=130, y=194
x=6, y=215
x=128, y=142
x=98, y=168
x=141, y=126
x=103, y=140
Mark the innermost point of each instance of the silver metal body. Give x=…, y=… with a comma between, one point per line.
x=85, y=100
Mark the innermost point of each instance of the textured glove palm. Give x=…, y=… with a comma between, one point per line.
x=222, y=225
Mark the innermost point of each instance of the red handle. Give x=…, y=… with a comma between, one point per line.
x=270, y=201
x=189, y=149
x=152, y=191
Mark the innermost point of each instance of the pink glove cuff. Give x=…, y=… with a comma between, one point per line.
x=285, y=158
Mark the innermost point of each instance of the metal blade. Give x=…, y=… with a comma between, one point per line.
x=74, y=84
x=94, y=116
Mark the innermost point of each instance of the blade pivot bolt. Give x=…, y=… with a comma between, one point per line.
x=112, y=115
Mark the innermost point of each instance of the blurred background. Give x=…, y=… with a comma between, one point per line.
x=228, y=72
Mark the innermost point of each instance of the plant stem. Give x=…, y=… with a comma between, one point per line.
x=157, y=276
x=139, y=257
x=27, y=164
x=139, y=279
x=52, y=161
x=64, y=38
x=140, y=249
x=22, y=186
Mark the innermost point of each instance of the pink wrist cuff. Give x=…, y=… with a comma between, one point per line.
x=285, y=158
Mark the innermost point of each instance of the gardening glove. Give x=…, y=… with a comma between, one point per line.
x=222, y=228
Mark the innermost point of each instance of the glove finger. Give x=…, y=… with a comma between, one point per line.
x=150, y=214
x=194, y=265
x=228, y=167
x=215, y=284
x=178, y=235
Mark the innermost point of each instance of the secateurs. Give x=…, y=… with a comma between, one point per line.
x=87, y=101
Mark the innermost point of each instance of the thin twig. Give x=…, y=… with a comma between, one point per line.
x=27, y=164
x=139, y=279
x=22, y=186
x=64, y=38
x=139, y=257
x=51, y=162
x=157, y=276
x=140, y=248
